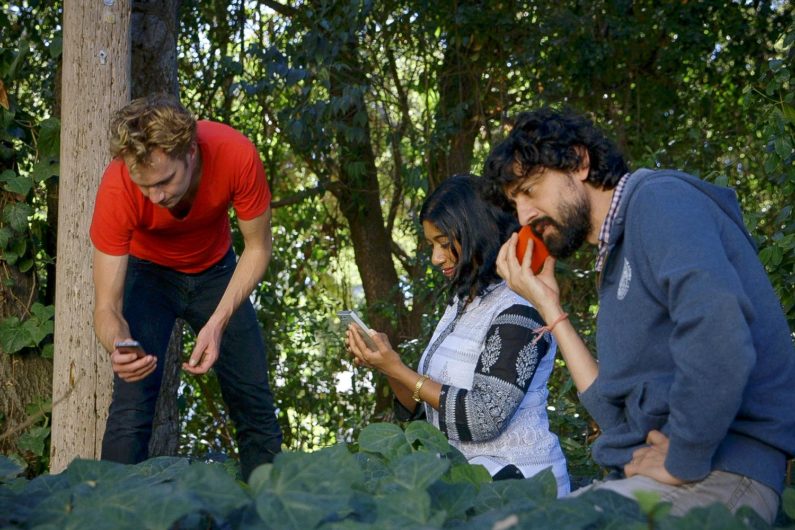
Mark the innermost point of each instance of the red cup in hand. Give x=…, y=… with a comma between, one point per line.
x=540, y=251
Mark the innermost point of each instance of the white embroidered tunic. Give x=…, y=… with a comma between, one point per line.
x=494, y=384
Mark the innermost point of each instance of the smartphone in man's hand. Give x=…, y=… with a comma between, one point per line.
x=348, y=317
x=540, y=251
x=130, y=346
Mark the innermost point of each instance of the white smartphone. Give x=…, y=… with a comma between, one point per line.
x=349, y=316
x=130, y=346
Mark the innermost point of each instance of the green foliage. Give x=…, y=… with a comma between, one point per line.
x=773, y=102
x=29, y=151
x=396, y=479
x=16, y=335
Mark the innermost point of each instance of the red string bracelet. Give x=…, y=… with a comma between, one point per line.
x=548, y=328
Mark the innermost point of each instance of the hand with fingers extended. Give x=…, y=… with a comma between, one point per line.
x=206, y=350
x=649, y=461
x=384, y=358
x=540, y=289
x=131, y=364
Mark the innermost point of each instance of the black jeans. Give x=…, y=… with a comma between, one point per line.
x=154, y=297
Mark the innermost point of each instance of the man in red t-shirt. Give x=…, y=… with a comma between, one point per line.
x=162, y=251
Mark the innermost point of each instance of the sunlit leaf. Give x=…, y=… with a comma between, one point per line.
x=384, y=438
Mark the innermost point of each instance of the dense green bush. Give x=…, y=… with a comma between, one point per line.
x=391, y=479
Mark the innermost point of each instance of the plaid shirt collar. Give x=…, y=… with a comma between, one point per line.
x=607, y=226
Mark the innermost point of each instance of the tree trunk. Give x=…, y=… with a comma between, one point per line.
x=153, y=30
x=154, y=70
x=95, y=83
x=457, y=116
x=25, y=378
x=359, y=200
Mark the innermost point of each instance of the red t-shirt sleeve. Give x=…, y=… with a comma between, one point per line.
x=252, y=195
x=114, y=212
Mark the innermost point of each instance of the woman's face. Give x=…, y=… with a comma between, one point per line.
x=442, y=255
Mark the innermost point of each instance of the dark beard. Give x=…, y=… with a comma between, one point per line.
x=570, y=234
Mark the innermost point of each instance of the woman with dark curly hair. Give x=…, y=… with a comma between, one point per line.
x=482, y=380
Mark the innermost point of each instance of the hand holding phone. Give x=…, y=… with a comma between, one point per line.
x=130, y=346
x=540, y=251
x=348, y=317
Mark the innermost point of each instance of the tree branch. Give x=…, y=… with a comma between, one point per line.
x=301, y=196
x=282, y=9
x=40, y=414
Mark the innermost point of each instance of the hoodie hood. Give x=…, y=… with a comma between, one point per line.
x=725, y=198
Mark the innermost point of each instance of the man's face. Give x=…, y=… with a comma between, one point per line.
x=166, y=180
x=555, y=206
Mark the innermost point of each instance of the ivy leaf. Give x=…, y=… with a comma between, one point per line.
x=48, y=351
x=304, y=489
x=782, y=146
x=454, y=499
x=534, y=490
x=33, y=440
x=16, y=215
x=18, y=185
x=214, y=487
x=44, y=169
x=418, y=470
x=469, y=473
x=13, y=336
x=42, y=312
x=49, y=145
x=789, y=113
x=404, y=509
x=429, y=436
x=26, y=264
x=386, y=439
x=5, y=236
x=56, y=46
x=650, y=503
x=37, y=330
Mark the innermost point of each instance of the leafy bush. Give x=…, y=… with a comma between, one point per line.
x=392, y=479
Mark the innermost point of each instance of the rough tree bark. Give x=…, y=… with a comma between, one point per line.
x=360, y=203
x=95, y=83
x=25, y=378
x=457, y=117
x=154, y=27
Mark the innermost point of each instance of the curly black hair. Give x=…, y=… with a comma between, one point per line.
x=459, y=211
x=546, y=138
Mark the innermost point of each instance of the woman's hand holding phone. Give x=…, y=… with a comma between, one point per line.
x=369, y=348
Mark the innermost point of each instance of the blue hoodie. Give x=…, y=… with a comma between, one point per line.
x=691, y=338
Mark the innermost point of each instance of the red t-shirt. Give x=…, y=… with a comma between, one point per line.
x=126, y=222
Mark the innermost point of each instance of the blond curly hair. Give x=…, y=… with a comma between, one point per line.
x=148, y=123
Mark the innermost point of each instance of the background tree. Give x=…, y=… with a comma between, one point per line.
x=95, y=83
x=29, y=143
x=154, y=26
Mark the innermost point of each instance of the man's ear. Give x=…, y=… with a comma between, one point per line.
x=585, y=162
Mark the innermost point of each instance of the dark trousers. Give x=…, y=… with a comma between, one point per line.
x=154, y=297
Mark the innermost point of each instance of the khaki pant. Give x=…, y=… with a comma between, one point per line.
x=733, y=491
